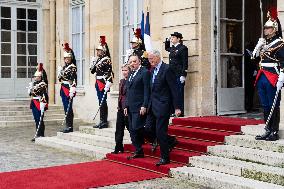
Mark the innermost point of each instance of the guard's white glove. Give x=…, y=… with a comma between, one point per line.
x=280, y=81
x=260, y=43
x=59, y=70
x=107, y=86
x=30, y=87
x=93, y=62
x=42, y=106
x=72, y=92
x=182, y=79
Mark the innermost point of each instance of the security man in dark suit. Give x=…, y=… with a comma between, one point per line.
x=178, y=62
x=137, y=97
x=163, y=97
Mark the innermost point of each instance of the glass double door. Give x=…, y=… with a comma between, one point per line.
x=230, y=57
x=18, y=53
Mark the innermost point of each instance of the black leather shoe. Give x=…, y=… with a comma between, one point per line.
x=136, y=155
x=67, y=130
x=98, y=125
x=173, y=144
x=163, y=162
x=103, y=125
x=272, y=137
x=263, y=136
x=118, y=150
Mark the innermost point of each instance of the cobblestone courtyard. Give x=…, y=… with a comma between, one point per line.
x=17, y=152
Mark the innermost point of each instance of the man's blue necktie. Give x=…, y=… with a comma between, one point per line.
x=154, y=74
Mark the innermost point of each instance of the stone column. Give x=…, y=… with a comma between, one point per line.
x=52, y=57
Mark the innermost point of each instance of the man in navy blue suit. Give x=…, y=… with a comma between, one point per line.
x=137, y=98
x=163, y=97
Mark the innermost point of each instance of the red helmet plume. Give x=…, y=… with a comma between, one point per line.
x=40, y=67
x=273, y=13
x=103, y=40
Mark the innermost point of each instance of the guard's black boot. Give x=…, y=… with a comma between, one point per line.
x=273, y=136
x=267, y=128
x=69, y=123
x=101, y=119
x=67, y=130
x=275, y=120
x=104, y=123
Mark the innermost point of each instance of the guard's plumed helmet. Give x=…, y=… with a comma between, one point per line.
x=137, y=36
x=38, y=74
x=67, y=54
x=102, y=44
x=273, y=21
x=39, y=70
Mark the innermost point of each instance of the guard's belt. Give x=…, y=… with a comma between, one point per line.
x=100, y=77
x=36, y=97
x=271, y=65
x=66, y=82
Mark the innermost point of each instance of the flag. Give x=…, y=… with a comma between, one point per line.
x=142, y=26
x=147, y=36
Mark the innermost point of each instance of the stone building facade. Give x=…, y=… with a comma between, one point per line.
x=215, y=31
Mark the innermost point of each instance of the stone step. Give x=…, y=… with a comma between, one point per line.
x=106, y=132
x=253, y=129
x=27, y=108
x=30, y=117
x=25, y=123
x=29, y=112
x=75, y=147
x=94, y=140
x=218, y=180
x=248, y=154
x=14, y=102
x=249, y=141
x=245, y=169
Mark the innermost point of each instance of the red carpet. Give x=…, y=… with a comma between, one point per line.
x=75, y=176
x=194, y=135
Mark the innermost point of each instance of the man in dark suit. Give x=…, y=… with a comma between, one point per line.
x=137, y=97
x=178, y=61
x=163, y=97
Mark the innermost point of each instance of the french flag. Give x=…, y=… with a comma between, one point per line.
x=147, y=36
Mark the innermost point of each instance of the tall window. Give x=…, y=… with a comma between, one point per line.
x=131, y=17
x=78, y=36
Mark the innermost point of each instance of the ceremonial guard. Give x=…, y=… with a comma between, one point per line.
x=270, y=77
x=39, y=103
x=138, y=48
x=67, y=75
x=102, y=66
x=178, y=61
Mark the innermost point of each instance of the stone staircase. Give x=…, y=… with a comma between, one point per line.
x=18, y=113
x=89, y=141
x=242, y=163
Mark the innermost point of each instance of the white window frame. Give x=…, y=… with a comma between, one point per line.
x=137, y=12
x=79, y=55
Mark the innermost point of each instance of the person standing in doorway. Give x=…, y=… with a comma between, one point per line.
x=178, y=61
